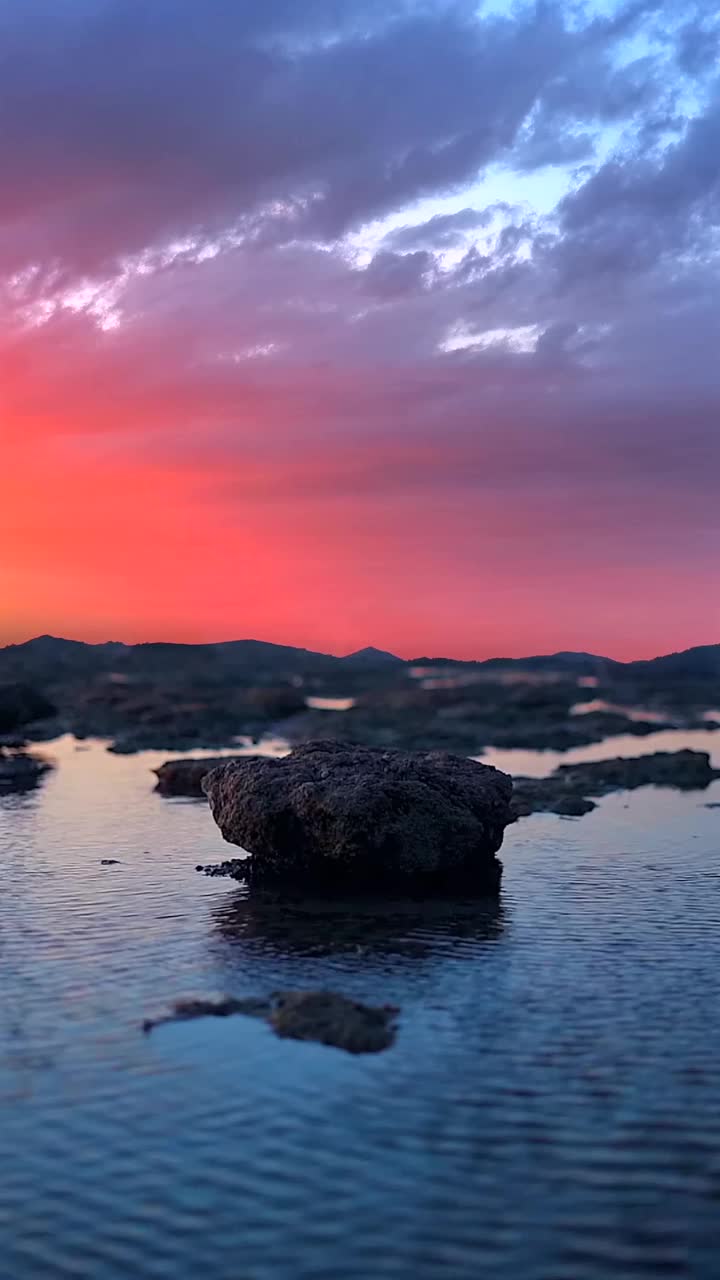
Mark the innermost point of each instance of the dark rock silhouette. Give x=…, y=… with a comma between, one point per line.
x=184, y=777
x=186, y=697
x=569, y=788
x=20, y=705
x=21, y=772
x=331, y=814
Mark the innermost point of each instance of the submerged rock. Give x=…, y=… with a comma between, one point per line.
x=213, y=1007
x=21, y=772
x=331, y=815
x=184, y=777
x=334, y=1020
x=322, y=1016
x=548, y=795
x=569, y=788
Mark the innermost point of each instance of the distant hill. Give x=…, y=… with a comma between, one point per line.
x=576, y=664
x=51, y=658
x=700, y=663
x=372, y=657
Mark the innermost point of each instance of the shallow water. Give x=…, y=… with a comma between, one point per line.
x=550, y=1108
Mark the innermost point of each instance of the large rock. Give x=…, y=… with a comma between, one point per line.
x=333, y=815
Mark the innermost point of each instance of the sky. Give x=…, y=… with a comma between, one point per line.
x=351, y=322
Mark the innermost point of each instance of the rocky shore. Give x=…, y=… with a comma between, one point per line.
x=186, y=697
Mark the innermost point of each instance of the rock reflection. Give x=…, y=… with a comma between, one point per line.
x=285, y=926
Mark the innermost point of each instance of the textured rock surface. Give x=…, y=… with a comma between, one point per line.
x=330, y=814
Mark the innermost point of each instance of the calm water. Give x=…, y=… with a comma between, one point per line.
x=551, y=1108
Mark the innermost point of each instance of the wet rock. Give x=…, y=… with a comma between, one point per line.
x=331, y=815
x=215, y=1007
x=568, y=790
x=21, y=772
x=235, y=868
x=334, y=1020
x=184, y=777
x=685, y=770
x=548, y=795
x=20, y=705
x=322, y=1016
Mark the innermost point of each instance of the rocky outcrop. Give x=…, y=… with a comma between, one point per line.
x=568, y=790
x=184, y=777
x=331, y=815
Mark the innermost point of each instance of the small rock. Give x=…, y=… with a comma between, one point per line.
x=21, y=772
x=333, y=1020
x=184, y=777
x=236, y=868
x=322, y=1016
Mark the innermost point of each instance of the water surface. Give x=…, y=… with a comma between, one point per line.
x=550, y=1109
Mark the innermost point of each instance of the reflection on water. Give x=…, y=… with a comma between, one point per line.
x=274, y=925
x=549, y=1111
x=632, y=713
x=538, y=764
x=330, y=704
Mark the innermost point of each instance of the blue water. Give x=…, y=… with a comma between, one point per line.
x=550, y=1110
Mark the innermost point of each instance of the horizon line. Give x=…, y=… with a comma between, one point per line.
x=190, y=644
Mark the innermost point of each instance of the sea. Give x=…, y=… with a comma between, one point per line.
x=550, y=1109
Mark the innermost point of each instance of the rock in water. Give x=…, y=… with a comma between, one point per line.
x=184, y=777
x=334, y=1020
x=19, y=771
x=332, y=815
x=568, y=789
x=322, y=1016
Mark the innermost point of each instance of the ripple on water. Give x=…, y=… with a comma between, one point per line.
x=549, y=1109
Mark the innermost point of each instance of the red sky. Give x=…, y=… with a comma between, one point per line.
x=400, y=329
x=330, y=546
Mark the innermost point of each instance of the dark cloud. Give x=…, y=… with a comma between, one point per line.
x=226, y=150
x=133, y=124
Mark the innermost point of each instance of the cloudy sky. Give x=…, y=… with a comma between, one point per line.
x=361, y=321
